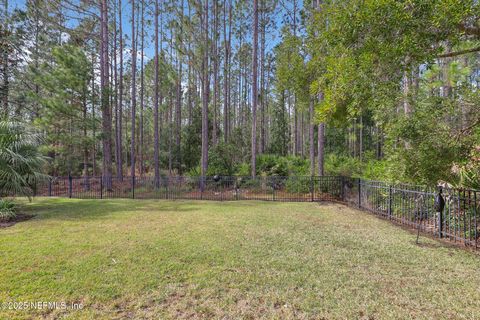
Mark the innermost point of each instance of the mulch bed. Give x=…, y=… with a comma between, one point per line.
x=19, y=218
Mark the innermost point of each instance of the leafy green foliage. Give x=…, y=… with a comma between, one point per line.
x=271, y=165
x=469, y=173
x=361, y=49
x=382, y=60
x=21, y=163
x=221, y=160
x=220, y=163
x=341, y=165
x=280, y=128
x=66, y=78
x=7, y=210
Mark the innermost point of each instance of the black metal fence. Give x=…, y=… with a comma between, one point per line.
x=210, y=188
x=408, y=205
x=413, y=206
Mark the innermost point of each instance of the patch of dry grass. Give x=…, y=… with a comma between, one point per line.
x=147, y=259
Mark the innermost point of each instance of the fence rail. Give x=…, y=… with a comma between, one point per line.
x=408, y=205
x=210, y=188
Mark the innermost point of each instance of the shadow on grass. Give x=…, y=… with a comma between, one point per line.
x=443, y=244
x=82, y=209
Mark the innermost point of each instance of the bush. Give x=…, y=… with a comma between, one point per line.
x=7, y=210
x=339, y=165
x=468, y=174
x=243, y=170
x=297, y=166
x=272, y=165
x=193, y=172
x=298, y=184
x=20, y=161
x=221, y=160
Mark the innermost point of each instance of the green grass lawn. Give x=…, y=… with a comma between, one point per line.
x=143, y=259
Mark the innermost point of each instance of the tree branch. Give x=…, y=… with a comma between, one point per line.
x=469, y=30
x=458, y=53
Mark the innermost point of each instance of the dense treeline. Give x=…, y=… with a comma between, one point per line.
x=384, y=89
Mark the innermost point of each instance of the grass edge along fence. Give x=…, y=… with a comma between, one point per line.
x=409, y=205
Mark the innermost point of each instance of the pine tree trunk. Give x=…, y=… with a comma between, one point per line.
x=190, y=82
x=94, y=126
x=178, y=114
x=5, y=58
x=178, y=121
x=226, y=63
x=36, y=57
x=254, y=87
x=106, y=114
x=85, y=145
x=302, y=134
x=134, y=96
x=295, y=130
x=142, y=91
x=321, y=148
x=119, y=136
x=155, y=106
x=321, y=126
x=215, y=71
x=170, y=128
x=311, y=137
x=115, y=91
x=262, y=79
x=204, y=161
x=360, y=138
x=229, y=78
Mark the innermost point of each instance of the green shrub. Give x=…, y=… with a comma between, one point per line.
x=468, y=174
x=243, y=170
x=221, y=160
x=297, y=166
x=298, y=184
x=20, y=161
x=340, y=165
x=193, y=172
x=7, y=210
x=272, y=165
x=384, y=170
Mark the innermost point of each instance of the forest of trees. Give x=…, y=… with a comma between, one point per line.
x=385, y=89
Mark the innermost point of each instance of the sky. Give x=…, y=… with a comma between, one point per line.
x=272, y=39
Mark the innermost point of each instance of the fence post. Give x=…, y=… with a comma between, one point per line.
x=101, y=187
x=167, y=190
x=359, y=193
x=440, y=204
x=133, y=187
x=49, y=187
x=342, y=185
x=311, y=188
x=274, y=187
x=69, y=186
x=440, y=224
x=390, y=200
x=236, y=189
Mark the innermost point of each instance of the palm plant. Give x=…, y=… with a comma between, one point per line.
x=20, y=161
x=469, y=173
